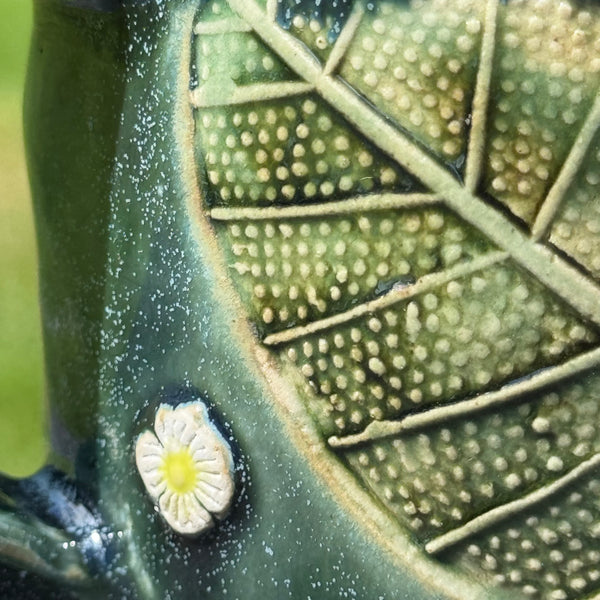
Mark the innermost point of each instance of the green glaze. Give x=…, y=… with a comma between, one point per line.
x=165, y=330
x=75, y=93
x=123, y=257
x=364, y=240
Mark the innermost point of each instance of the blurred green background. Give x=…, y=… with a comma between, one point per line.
x=22, y=424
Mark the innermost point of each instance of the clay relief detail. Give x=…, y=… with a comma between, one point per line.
x=407, y=196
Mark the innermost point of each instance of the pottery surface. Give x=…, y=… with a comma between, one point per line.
x=346, y=253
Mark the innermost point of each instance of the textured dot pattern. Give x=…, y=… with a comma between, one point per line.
x=315, y=33
x=576, y=228
x=295, y=271
x=417, y=62
x=215, y=10
x=442, y=477
x=286, y=151
x=237, y=58
x=543, y=88
x=550, y=552
x=466, y=336
x=315, y=22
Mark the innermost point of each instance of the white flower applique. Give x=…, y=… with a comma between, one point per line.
x=187, y=467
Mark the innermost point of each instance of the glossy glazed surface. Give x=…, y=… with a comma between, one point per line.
x=365, y=238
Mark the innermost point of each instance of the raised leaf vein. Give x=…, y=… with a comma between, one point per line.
x=395, y=295
x=500, y=513
x=344, y=40
x=476, y=149
x=568, y=171
x=549, y=268
x=358, y=204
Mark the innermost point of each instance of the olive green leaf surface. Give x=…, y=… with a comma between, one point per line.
x=405, y=195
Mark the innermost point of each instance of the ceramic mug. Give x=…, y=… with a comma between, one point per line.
x=320, y=295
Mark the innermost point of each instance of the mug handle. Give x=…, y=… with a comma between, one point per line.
x=48, y=527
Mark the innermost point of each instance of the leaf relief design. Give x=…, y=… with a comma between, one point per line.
x=407, y=194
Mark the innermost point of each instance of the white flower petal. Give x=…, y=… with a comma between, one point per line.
x=198, y=412
x=209, y=446
x=148, y=457
x=175, y=427
x=215, y=492
x=184, y=513
x=156, y=481
x=148, y=446
x=215, y=481
x=163, y=424
x=222, y=455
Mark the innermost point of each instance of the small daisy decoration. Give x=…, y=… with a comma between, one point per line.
x=187, y=467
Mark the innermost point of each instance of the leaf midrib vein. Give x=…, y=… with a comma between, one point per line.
x=549, y=268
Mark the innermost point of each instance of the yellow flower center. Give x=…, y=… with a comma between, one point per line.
x=180, y=471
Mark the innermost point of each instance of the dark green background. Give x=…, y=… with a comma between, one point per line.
x=22, y=442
